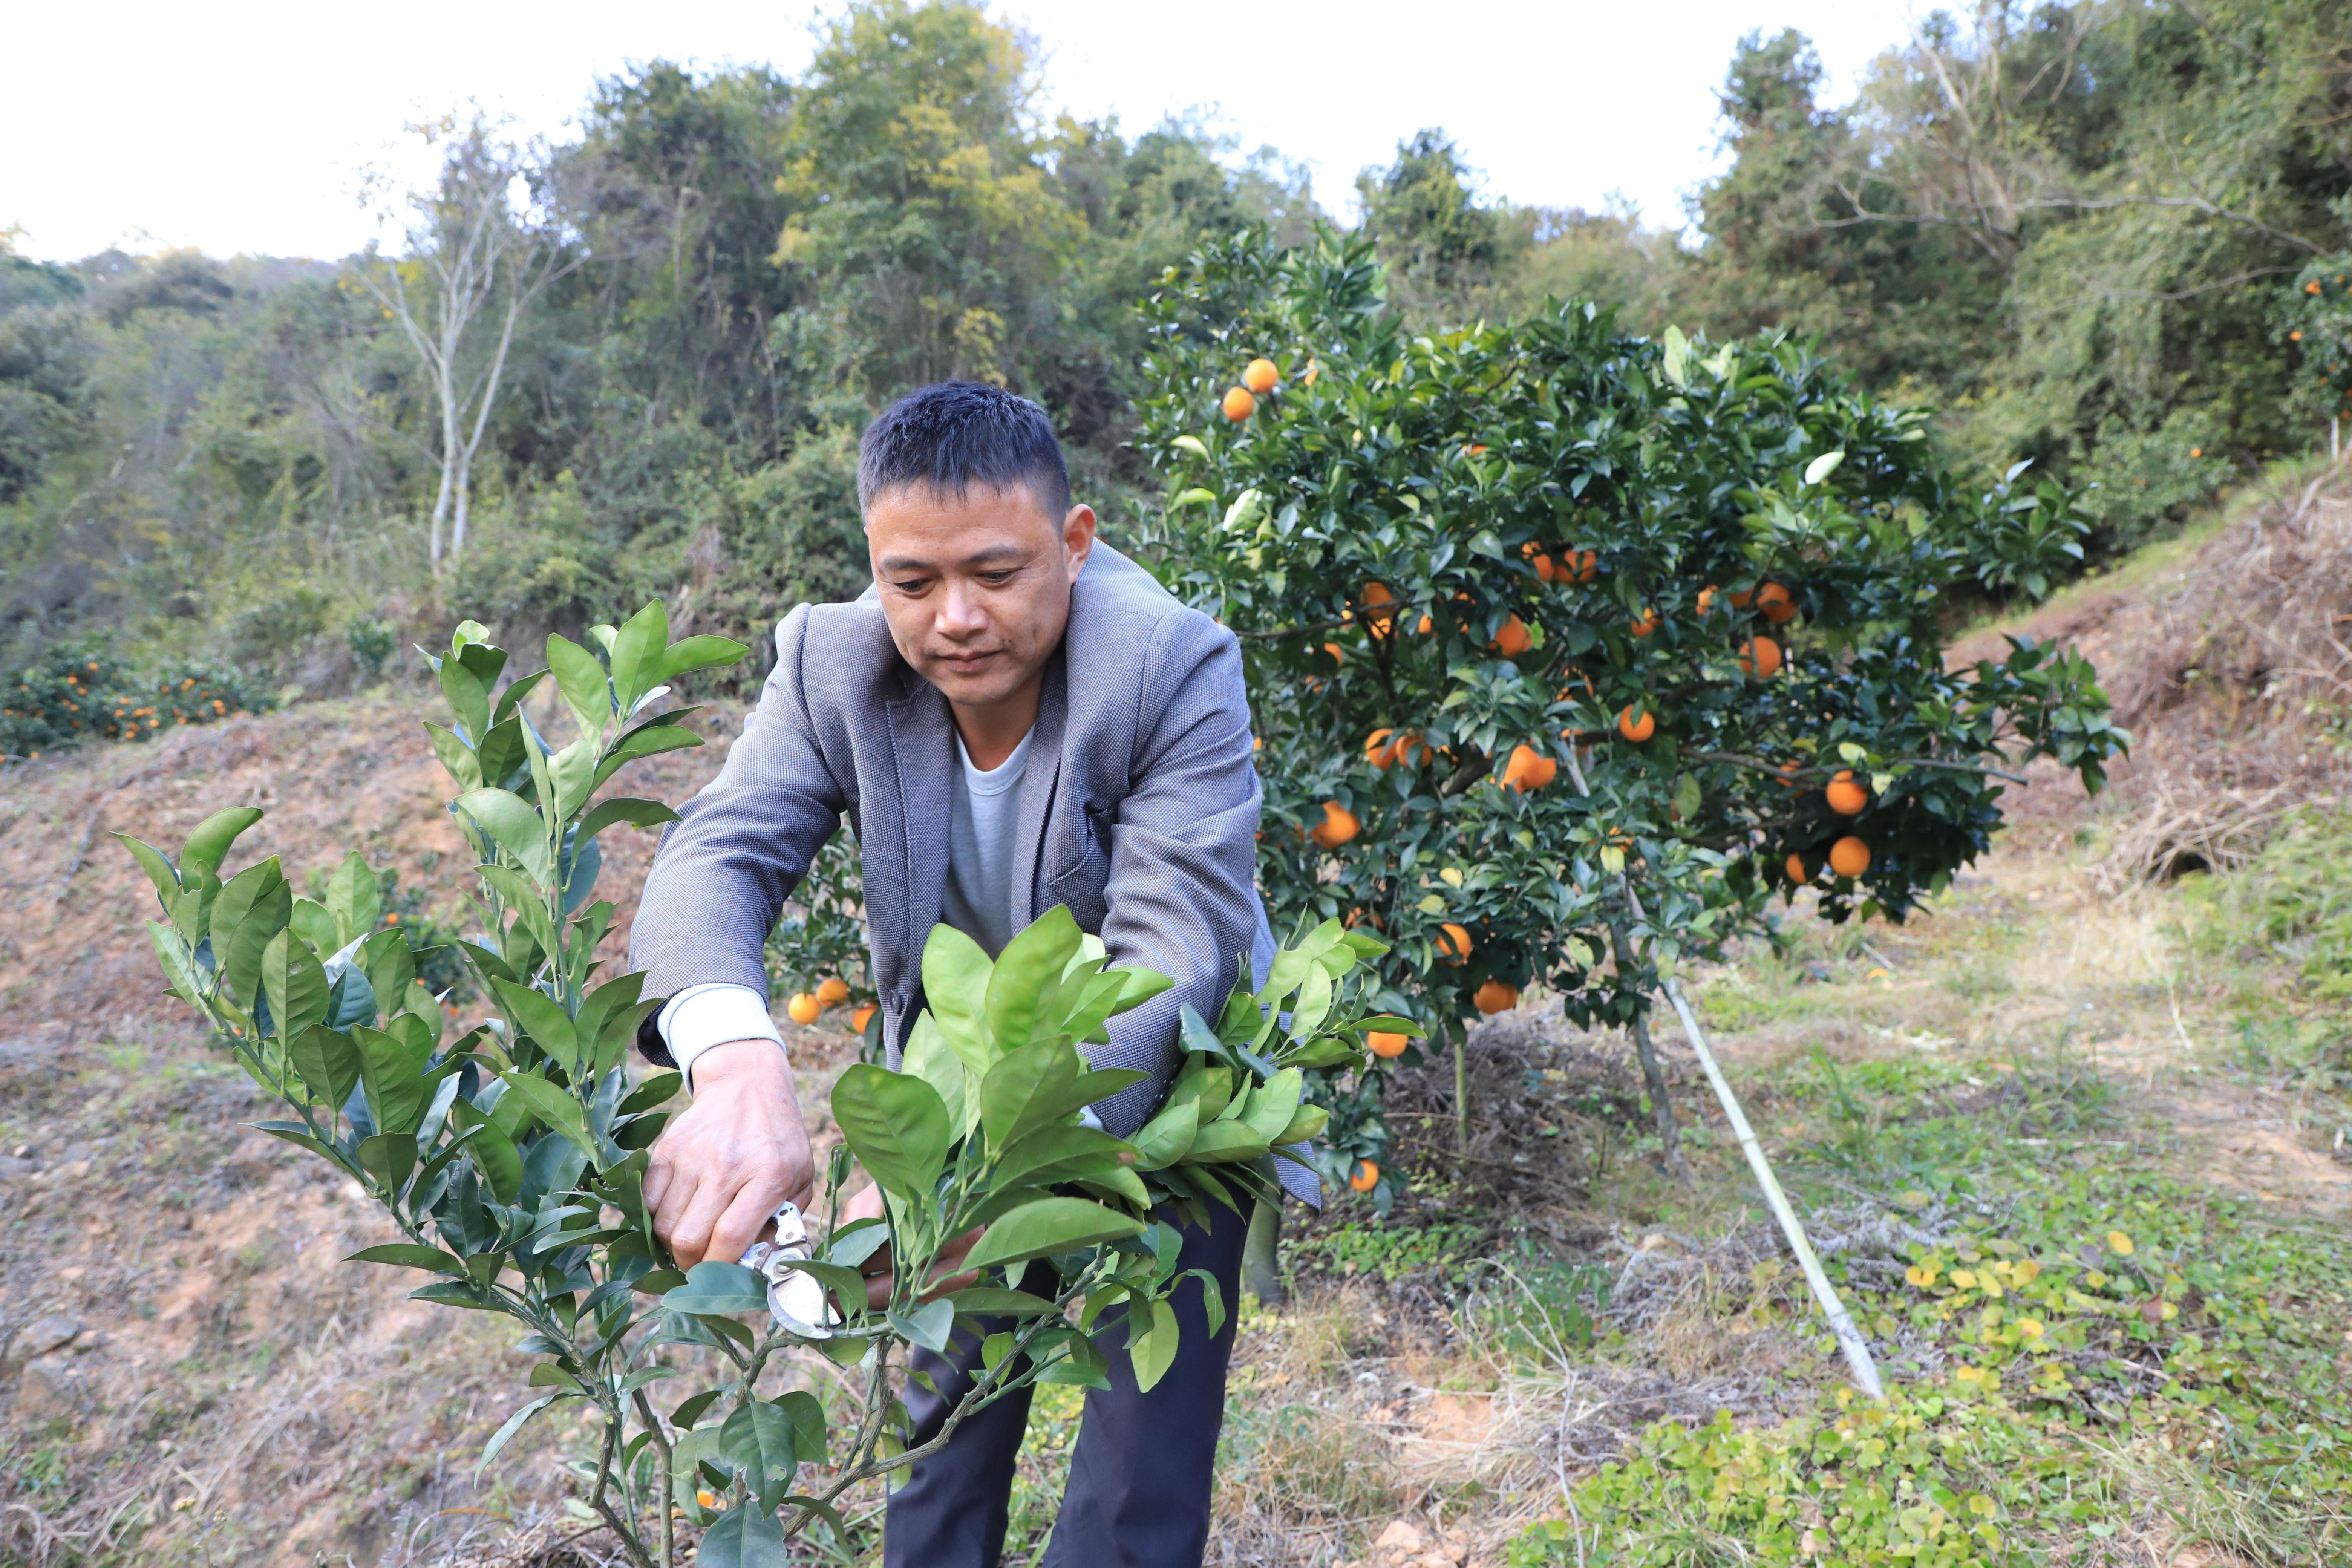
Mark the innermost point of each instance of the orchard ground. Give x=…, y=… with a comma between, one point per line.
x=2043, y=1063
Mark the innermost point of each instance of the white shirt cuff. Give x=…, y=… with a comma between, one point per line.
x=701, y=1016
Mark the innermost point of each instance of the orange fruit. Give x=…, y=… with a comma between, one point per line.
x=1774, y=601
x=1528, y=769
x=1338, y=826
x=1636, y=727
x=862, y=1016
x=1338, y=654
x=1760, y=657
x=1375, y=595
x=1474, y=451
x=1534, y=554
x=1846, y=797
x=1496, y=998
x=1787, y=773
x=1378, y=749
x=1239, y=404
x=1366, y=1177
x=1513, y=640
x=1849, y=857
x=1453, y=943
x=1424, y=627
x=1743, y=598
x=1313, y=370
x=1260, y=376
x=831, y=991
x=1707, y=599
x=1796, y=868
x=802, y=1008
x=706, y=1497
x=1584, y=566
x=1646, y=623
x=1386, y=1046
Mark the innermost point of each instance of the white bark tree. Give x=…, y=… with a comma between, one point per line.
x=473, y=263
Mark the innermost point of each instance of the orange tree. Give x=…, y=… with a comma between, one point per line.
x=1477, y=575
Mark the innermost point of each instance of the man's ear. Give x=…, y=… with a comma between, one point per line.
x=1079, y=537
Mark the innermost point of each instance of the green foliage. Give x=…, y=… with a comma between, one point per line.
x=824, y=937
x=512, y=1156
x=82, y=690
x=2290, y=902
x=1498, y=541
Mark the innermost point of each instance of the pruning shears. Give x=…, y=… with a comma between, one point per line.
x=796, y=1299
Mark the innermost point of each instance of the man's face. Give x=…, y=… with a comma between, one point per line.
x=976, y=587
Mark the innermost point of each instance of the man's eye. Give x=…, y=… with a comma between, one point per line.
x=996, y=579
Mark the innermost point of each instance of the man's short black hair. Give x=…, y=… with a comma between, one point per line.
x=953, y=435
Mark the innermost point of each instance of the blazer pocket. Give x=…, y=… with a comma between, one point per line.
x=1082, y=886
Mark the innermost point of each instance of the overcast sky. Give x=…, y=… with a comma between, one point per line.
x=243, y=127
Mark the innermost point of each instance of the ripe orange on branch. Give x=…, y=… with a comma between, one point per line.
x=1646, y=623
x=831, y=991
x=1760, y=657
x=1776, y=603
x=1366, y=1177
x=1849, y=857
x=862, y=1016
x=1453, y=943
x=802, y=1008
x=1582, y=567
x=1239, y=404
x=1496, y=997
x=1528, y=769
x=1260, y=376
x=1338, y=826
x=1513, y=640
x=1796, y=869
x=1846, y=797
x=1545, y=569
x=1637, y=725
x=1385, y=1045
x=1376, y=617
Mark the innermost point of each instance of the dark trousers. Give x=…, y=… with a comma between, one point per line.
x=1140, y=1475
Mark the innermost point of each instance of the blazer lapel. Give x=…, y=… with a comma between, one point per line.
x=922, y=744
x=1038, y=782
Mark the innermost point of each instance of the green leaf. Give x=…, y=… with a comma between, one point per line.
x=458, y=759
x=314, y=925
x=500, y=1439
x=759, y=1439
x=1154, y=1350
x=991, y=1302
x=1061, y=1153
x=1168, y=1137
x=690, y=654
x=1039, y=1085
x=295, y=983
x=743, y=1537
x=1018, y=981
x=1273, y=1106
x=354, y=897
x=896, y=1124
x=407, y=1254
x=517, y=690
x=1308, y=1121
x=388, y=1157
x=296, y=1133
x=492, y=1150
x=656, y=1091
x=932, y=1060
x=252, y=906
x=1047, y=1226
x=179, y=968
x=691, y=1409
x=636, y=654
x=206, y=847
x=646, y=741
x=553, y=1106
x=543, y=1018
x=807, y=1416
x=584, y=685
x=714, y=1289
x=1222, y=1142
x=625, y=808
x=159, y=870
x=513, y=826
x=393, y=1073
x=457, y=1293
x=467, y=698
x=955, y=984
x=328, y=1061
x=928, y=1325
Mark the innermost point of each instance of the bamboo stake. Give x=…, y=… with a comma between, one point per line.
x=1841, y=1324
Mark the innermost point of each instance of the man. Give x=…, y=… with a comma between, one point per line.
x=1013, y=717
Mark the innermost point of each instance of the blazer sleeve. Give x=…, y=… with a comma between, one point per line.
x=1182, y=895
x=722, y=871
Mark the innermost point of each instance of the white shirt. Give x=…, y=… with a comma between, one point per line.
x=983, y=823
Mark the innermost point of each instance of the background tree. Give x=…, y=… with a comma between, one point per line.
x=473, y=262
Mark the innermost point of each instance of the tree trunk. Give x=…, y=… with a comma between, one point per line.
x=1654, y=1074
x=465, y=499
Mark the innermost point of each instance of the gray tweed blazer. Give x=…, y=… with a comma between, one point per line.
x=1139, y=810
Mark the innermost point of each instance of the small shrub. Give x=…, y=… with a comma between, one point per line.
x=80, y=691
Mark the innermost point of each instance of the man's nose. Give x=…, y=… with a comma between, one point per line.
x=960, y=614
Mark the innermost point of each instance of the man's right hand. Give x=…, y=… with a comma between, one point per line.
x=721, y=1168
